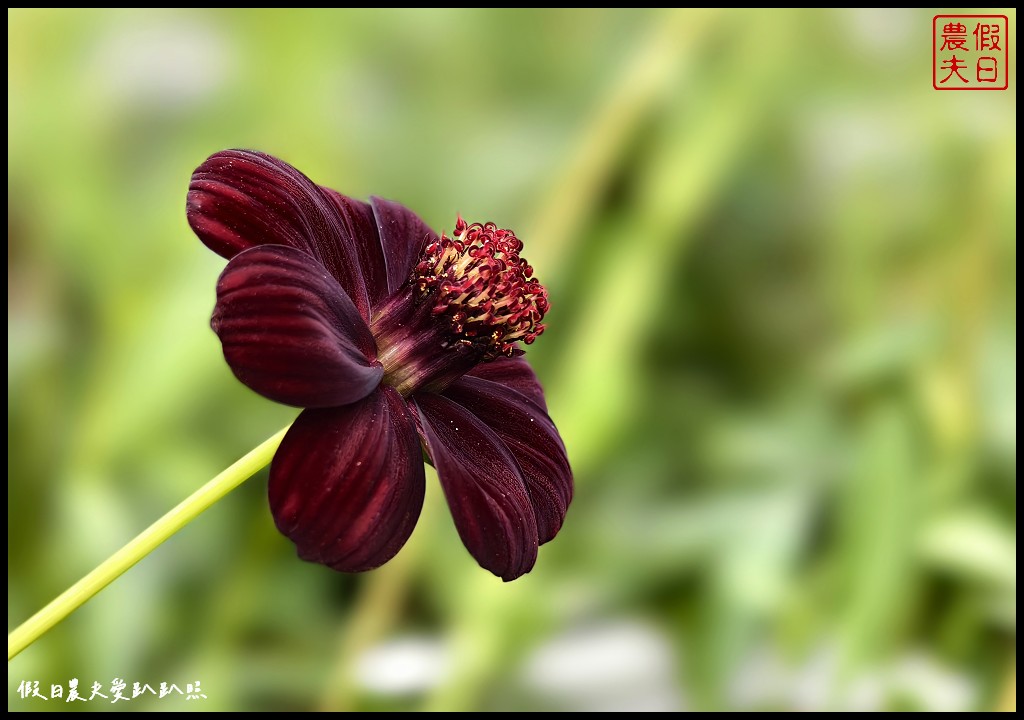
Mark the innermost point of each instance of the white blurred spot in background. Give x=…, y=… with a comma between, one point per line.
x=920, y=681
x=621, y=666
x=404, y=666
x=173, y=63
x=885, y=30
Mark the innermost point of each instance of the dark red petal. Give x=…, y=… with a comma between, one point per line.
x=515, y=373
x=403, y=235
x=363, y=226
x=290, y=332
x=239, y=199
x=346, y=485
x=533, y=440
x=483, y=485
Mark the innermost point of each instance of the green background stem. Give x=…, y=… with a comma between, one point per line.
x=143, y=544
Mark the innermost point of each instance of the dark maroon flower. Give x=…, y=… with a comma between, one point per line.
x=389, y=336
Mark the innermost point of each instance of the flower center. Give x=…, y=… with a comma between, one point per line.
x=487, y=292
x=471, y=298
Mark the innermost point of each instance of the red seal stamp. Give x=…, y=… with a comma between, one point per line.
x=970, y=52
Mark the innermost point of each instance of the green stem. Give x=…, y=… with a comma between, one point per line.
x=146, y=542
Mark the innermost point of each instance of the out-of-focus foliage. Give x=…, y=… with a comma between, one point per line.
x=782, y=354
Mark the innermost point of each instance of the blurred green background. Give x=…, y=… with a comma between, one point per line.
x=782, y=355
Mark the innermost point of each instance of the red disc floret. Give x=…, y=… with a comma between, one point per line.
x=487, y=292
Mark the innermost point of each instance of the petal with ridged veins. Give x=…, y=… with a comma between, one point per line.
x=347, y=484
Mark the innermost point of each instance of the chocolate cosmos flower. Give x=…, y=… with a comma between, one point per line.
x=388, y=335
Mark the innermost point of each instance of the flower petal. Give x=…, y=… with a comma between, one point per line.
x=290, y=332
x=346, y=485
x=239, y=199
x=515, y=373
x=483, y=485
x=532, y=439
x=363, y=226
x=403, y=235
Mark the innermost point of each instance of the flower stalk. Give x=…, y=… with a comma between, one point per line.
x=143, y=544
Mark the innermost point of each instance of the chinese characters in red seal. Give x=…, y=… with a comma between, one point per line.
x=970, y=52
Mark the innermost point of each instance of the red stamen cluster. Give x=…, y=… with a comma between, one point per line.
x=487, y=291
